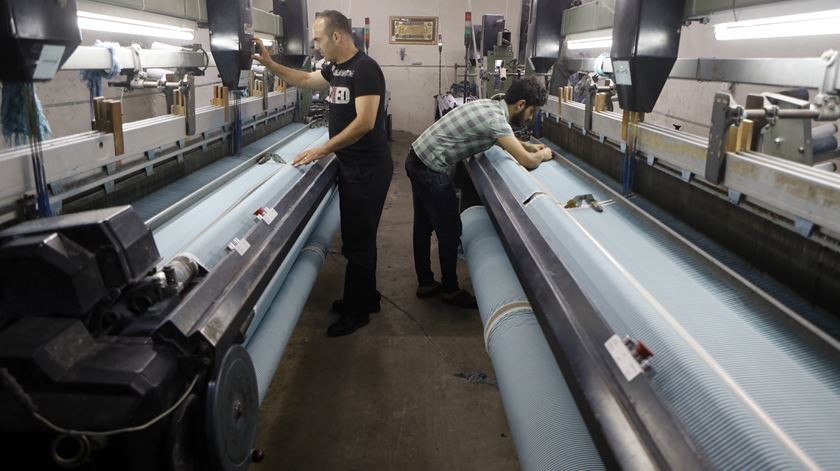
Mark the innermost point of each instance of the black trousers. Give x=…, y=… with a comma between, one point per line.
x=362, y=189
x=435, y=209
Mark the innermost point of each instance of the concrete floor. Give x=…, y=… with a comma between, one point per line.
x=388, y=396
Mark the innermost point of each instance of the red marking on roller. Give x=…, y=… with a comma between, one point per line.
x=642, y=351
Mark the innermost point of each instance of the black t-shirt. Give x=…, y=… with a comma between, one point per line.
x=359, y=76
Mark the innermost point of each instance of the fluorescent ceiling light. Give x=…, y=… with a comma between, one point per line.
x=601, y=42
x=805, y=24
x=113, y=24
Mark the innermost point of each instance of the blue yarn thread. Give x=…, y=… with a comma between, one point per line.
x=93, y=78
x=24, y=122
x=15, y=116
x=237, y=122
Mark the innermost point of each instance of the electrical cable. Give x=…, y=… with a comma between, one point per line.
x=20, y=394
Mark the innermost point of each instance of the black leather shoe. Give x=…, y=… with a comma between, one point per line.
x=340, y=307
x=347, y=324
x=460, y=298
x=428, y=291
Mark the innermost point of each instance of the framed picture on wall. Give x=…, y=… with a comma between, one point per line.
x=413, y=30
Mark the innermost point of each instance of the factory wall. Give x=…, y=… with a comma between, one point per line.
x=413, y=81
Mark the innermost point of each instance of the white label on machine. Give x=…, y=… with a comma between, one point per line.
x=48, y=62
x=244, y=77
x=623, y=358
x=269, y=216
x=622, y=73
x=240, y=246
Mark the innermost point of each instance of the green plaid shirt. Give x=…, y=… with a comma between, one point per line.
x=463, y=132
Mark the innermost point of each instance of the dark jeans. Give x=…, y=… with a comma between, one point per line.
x=435, y=209
x=362, y=189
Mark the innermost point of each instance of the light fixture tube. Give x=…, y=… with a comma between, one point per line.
x=590, y=43
x=804, y=24
x=113, y=24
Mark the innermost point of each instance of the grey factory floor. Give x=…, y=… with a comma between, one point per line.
x=403, y=392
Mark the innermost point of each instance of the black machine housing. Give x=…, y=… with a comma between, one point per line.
x=295, y=32
x=646, y=41
x=359, y=37
x=231, y=40
x=36, y=38
x=144, y=368
x=544, y=27
x=79, y=302
x=491, y=26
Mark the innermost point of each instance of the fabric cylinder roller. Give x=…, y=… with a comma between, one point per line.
x=206, y=228
x=824, y=145
x=798, y=93
x=268, y=342
x=823, y=130
x=213, y=230
x=547, y=427
x=651, y=289
x=279, y=278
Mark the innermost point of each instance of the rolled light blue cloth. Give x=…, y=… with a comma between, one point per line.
x=752, y=394
x=205, y=229
x=279, y=277
x=271, y=336
x=547, y=427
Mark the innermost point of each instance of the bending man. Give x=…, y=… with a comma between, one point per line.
x=462, y=133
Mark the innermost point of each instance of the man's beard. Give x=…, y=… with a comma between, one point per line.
x=518, y=119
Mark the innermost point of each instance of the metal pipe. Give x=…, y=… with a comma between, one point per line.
x=268, y=342
x=547, y=427
x=781, y=114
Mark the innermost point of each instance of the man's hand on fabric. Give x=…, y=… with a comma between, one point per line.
x=545, y=154
x=311, y=155
x=533, y=147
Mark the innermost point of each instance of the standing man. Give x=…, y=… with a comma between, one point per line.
x=462, y=133
x=358, y=138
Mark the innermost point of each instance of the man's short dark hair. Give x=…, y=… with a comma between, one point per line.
x=529, y=89
x=335, y=21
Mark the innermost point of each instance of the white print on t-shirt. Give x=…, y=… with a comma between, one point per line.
x=339, y=95
x=343, y=73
